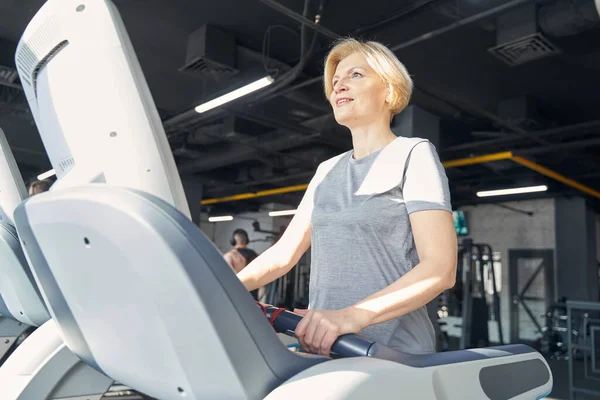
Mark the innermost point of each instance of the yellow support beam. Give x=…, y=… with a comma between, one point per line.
x=507, y=155
x=245, y=196
x=461, y=162
x=556, y=176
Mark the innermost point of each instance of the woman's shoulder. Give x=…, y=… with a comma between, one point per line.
x=326, y=166
x=408, y=143
x=335, y=159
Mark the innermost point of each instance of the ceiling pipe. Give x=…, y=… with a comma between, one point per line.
x=491, y=12
x=583, y=127
x=407, y=10
x=299, y=18
x=576, y=144
x=567, y=18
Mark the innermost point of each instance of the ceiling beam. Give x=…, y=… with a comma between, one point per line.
x=581, y=128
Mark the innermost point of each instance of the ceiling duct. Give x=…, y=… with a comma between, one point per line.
x=523, y=34
x=211, y=53
x=519, y=39
x=8, y=76
x=207, y=134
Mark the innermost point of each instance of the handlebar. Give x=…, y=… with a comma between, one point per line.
x=349, y=345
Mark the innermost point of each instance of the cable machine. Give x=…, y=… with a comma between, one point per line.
x=474, y=299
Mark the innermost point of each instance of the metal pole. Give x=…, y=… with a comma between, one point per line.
x=467, y=296
x=570, y=351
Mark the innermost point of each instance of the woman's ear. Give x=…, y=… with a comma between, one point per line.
x=388, y=98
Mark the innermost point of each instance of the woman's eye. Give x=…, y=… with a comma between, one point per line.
x=354, y=75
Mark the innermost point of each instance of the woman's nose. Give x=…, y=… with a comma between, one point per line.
x=340, y=87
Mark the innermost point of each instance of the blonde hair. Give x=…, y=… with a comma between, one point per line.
x=382, y=60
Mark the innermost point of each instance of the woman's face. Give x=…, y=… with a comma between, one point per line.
x=359, y=95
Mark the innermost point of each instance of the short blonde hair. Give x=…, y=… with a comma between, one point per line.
x=381, y=59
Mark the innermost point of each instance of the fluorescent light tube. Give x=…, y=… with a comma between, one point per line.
x=46, y=174
x=281, y=213
x=244, y=90
x=502, y=192
x=220, y=219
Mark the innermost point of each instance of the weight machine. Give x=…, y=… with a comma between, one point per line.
x=469, y=305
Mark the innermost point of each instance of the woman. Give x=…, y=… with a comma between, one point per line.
x=378, y=217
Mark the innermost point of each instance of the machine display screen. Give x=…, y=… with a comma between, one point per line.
x=460, y=224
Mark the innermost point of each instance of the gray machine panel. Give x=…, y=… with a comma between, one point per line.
x=446, y=358
x=4, y=312
x=519, y=377
x=182, y=294
x=21, y=295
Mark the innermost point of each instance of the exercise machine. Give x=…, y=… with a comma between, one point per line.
x=466, y=310
x=187, y=327
x=41, y=367
x=12, y=191
x=49, y=370
x=478, y=275
x=35, y=362
x=553, y=340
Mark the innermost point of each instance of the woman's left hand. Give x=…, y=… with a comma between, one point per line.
x=319, y=329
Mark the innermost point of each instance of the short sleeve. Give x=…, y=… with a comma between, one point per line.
x=307, y=203
x=425, y=184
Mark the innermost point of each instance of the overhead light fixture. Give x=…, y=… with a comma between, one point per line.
x=220, y=219
x=281, y=213
x=244, y=90
x=46, y=174
x=503, y=192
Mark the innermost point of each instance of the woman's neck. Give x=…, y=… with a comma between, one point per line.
x=367, y=140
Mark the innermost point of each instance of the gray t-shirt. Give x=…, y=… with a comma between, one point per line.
x=361, y=236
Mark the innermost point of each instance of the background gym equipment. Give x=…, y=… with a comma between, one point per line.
x=553, y=341
x=466, y=309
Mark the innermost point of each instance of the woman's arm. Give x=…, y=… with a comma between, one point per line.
x=280, y=258
x=436, y=243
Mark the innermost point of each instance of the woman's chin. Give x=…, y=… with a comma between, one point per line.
x=343, y=117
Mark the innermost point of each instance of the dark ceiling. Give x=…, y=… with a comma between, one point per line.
x=542, y=105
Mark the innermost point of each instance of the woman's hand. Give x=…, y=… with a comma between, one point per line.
x=319, y=329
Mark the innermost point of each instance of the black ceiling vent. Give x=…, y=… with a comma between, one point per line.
x=8, y=76
x=210, y=54
x=525, y=49
x=518, y=38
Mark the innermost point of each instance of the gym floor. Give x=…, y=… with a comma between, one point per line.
x=560, y=372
